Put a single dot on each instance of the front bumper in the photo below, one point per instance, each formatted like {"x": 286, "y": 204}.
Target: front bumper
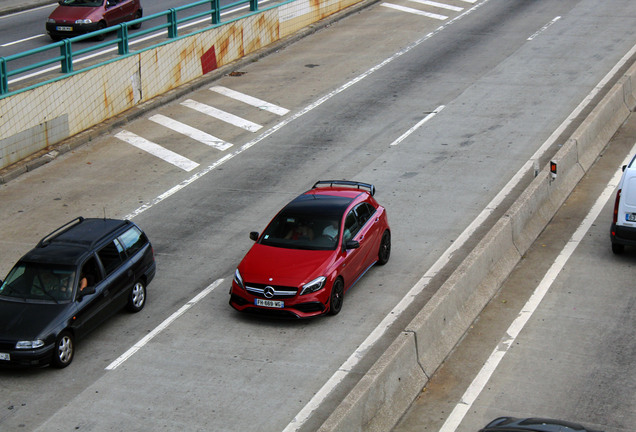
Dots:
{"x": 35, "y": 357}
{"x": 69, "y": 30}
{"x": 306, "y": 306}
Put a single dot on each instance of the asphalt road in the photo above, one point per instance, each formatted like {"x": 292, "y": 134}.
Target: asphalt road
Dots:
{"x": 501, "y": 77}
{"x": 573, "y": 359}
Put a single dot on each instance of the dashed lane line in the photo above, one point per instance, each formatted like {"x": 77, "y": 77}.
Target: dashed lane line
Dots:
{"x": 196, "y": 134}
{"x": 250, "y": 100}
{"x": 222, "y": 115}
{"x": 156, "y": 150}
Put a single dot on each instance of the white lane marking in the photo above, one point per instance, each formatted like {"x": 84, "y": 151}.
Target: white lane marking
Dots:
{"x": 439, "y": 5}
{"x": 417, "y": 126}
{"x": 415, "y": 11}
{"x": 156, "y": 150}
{"x": 544, "y": 28}
{"x": 191, "y": 132}
{"x": 136, "y": 347}
{"x": 22, "y": 40}
{"x": 479, "y": 382}
{"x": 250, "y": 100}
{"x": 27, "y": 11}
{"x": 469, "y": 1}
{"x": 222, "y": 115}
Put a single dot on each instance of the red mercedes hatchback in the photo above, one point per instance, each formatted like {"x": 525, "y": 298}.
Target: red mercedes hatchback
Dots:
{"x": 75, "y": 17}
{"x": 315, "y": 249}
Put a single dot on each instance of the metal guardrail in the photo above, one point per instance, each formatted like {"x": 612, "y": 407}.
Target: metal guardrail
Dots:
{"x": 122, "y": 40}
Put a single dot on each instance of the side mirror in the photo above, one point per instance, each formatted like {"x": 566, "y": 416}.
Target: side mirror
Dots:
{"x": 624, "y": 166}
{"x": 86, "y": 291}
{"x": 352, "y": 244}
{"x": 254, "y": 235}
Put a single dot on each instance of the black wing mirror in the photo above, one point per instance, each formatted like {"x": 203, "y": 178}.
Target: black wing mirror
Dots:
{"x": 86, "y": 291}
{"x": 352, "y": 244}
{"x": 254, "y": 235}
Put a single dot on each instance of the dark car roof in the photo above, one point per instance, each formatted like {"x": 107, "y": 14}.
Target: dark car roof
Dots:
{"x": 314, "y": 204}
{"x": 510, "y": 424}
{"x": 69, "y": 245}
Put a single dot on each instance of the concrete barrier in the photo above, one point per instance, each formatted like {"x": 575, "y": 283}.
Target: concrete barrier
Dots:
{"x": 440, "y": 325}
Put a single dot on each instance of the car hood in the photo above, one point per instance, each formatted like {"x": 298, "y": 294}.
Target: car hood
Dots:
{"x": 19, "y": 320}
{"x": 281, "y": 266}
{"x": 71, "y": 13}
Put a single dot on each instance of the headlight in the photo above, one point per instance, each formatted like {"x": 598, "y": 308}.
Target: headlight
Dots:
{"x": 29, "y": 344}
{"x": 50, "y": 21}
{"x": 313, "y": 286}
{"x": 83, "y": 21}
{"x": 238, "y": 279}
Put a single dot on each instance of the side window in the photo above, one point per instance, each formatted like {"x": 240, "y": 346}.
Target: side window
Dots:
{"x": 351, "y": 226}
{"x": 111, "y": 256}
{"x": 133, "y": 240}
{"x": 364, "y": 212}
{"x": 90, "y": 271}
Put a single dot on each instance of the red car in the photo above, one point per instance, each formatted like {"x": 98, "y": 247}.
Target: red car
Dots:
{"x": 75, "y": 17}
{"x": 313, "y": 251}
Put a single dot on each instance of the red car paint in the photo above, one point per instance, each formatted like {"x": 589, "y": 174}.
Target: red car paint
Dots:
{"x": 270, "y": 278}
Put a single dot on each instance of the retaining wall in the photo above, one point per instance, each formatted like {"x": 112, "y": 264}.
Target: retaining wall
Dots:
{"x": 35, "y": 120}
{"x": 384, "y": 394}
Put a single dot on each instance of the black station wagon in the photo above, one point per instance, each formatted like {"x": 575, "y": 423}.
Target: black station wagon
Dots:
{"x": 74, "y": 279}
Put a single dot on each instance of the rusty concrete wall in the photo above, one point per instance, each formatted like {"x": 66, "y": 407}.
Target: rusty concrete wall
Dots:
{"x": 32, "y": 122}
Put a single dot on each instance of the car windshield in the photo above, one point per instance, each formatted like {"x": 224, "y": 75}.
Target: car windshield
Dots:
{"x": 39, "y": 282}
{"x": 301, "y": 231}
{"x": 90, "y": 3}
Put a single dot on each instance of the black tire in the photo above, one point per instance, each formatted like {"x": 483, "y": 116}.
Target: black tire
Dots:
{"x": 385, "y": 248}
{"x": 101, "y": 26}
{"x": 137, "y": 297}
{"x": 336, "y": 297}
{"x": 64, "y": 350}
{"x": 138, "y": 15}
{"x": 617, "y": 248}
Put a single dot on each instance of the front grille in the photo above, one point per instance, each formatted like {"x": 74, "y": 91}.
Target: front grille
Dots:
{"x": 277, "y": 292}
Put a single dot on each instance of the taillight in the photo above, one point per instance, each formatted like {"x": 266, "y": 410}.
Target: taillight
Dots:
{"x": 618, "y": 198}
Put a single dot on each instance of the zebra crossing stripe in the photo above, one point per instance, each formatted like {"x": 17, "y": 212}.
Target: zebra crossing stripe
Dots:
{"x": 191, "y": 132}
{"x": 222, "y": 115}
{"x": 250, "y": 100}
{"x": 158, "y": 151}
{"x": 439, "y": 5}
{"x": 415, "y": 11}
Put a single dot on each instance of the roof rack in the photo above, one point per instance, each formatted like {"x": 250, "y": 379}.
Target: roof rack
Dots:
{"x": 47, "y": 238}
{"x": 355, "y": 184}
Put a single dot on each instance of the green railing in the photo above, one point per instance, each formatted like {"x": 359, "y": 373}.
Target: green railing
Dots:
{"x": 173, "y": 18}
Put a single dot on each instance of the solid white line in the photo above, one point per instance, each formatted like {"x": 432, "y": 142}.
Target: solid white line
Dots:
{"x": 222, "y": 115}
{"x": 439, "y": 5}
{"x": 415, "y": 11}
{"x": 136, "y": 347}
{"x": 191, "y": 132}
{"x": 22, "y": 40}
{"x": 544, "y": 28}
{"x": 250, "y": 100}
{"x": 156, "y": 150}
{"x": 459, "y": 412}
{"x": 417, "y": 126}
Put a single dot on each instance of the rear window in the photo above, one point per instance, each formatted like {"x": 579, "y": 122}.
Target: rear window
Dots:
{"x": 133, "y": 240}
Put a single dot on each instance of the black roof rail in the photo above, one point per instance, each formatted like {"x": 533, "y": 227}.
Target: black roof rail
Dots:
{"x": 346, "y": 183}
{"x": 47, "y": 238}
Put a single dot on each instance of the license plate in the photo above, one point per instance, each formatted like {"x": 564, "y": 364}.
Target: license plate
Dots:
{"x": 5, "y": 356}
{"x": 269, "y": 303}
{"x": 630, "y": 217}
{"x": 64, "y": 28}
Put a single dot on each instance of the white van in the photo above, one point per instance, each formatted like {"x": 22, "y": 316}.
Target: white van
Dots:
{"x": 623, "y": 230}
